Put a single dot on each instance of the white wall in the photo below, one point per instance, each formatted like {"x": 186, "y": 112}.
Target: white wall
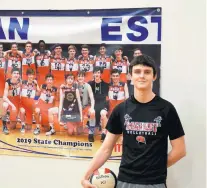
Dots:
{"x": 182, "y": 82}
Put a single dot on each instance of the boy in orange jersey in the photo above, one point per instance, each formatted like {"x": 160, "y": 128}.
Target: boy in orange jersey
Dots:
{"x": 28, "y": 60}
{"x": 46, "y": 106}
{"x": 72, "y": 63}
{"x": 104, "y": 61}
{"x": 42, "y": 61}
{"x": 86, "y": 63}
{"x": 57, "y": 66}
{"x": 11, "y": 98}
{"x": 13, "y": 58}
{"x": 29, "y": 90}
{"x": 118, "y": 92}
{"x": 2, "y": 70}
{"x": 121, "y": 64}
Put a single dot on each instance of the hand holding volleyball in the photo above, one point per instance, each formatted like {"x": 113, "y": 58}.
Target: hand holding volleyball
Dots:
{"x": 103, "y": 178}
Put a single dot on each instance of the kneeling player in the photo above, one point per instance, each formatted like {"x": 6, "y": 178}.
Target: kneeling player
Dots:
{"x": 11, "y": 98}
{"x": 118, "y": 92}
{"x": 46, "y": 106}
{"x": 70, "y": 105}
{"x": 28, "y": 93}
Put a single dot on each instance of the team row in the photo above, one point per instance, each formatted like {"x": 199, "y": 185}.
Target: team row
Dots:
{"x": 76, "y": 102}
{"x": 43, "y": 61}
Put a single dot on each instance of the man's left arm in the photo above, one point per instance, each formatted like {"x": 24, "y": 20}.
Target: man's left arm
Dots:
{"x": 178, "y": 151}
{"x": 176, "y": 136}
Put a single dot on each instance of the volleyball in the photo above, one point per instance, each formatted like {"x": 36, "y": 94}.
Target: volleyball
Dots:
{"x": 103, "y": 178}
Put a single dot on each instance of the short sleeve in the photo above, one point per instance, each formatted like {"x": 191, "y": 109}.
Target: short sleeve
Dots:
{"x": 175, "y": 129}
{"x": 114, "y": 124}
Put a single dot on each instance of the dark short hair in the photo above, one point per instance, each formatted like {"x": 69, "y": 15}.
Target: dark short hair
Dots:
{"x": 81, "y": 73}
{"x": 49, "y": 76}
{"x": 119, "y": 48}
{"x": 72, "y": 47}
{"x": 41, "y": 41}
{"x": 15, "y": 70}
{"x": 137, "y": 49}
{"x": 143, "y": 60}
{"x": 28, "y": 42}
{"x": 85, "y": 46}
{"x": 102, "y": 45}
{"x": 114, "y": 71}
{"x": 56, "y": 45}
{"x": 69, "y": 74}
{"x": 98, "y": 68}
{"x": 30, "y": 71}
{"x": 14, "y": 43}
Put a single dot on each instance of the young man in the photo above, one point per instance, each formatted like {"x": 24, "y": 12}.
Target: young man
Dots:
{"x": 121, "y": 64}
{"x": 29, "y": 90}
{"x": 146, "y": 121}
{"x": 117, "y": 93}
{"x": 57, "y": 66}
{"x": 100, "y": 91}
{"x": 86, "y": 63}
{"x": 46, "y": 106}
{"x": 42, "y": 61}
{"x": 137, "y": 52}
{"x": 70, "y": 106}
{"x": 13, "y": 58}
{"x": 11, "y": 98}
{"x": 104, "y": 61}
{"x": 28, "y": 60}
{"x": 2, "y": 71}
{"x": 88, "y": 102}
{"x": 72, "y": 63}
{"x": 42, "y": 48}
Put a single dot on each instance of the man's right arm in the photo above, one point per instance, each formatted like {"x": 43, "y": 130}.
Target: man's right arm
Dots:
{"x": 101, "y": 156}
{"x": 114, "y": 127}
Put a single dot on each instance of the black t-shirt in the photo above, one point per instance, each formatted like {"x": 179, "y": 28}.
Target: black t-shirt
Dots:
{"x": 100, "y": 91}
{"x": 145, "y": 128}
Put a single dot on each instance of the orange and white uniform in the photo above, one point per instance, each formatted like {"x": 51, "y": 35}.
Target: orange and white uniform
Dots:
{"x": 116, "y": 95}
{"x": 28, "y": 61}
{"x": 105, "y": 63}
{"x": 2, "y": 75}
{"x": 122, "y": 66}
{"x": 57, "y": 67}
{"x": 14, "y": 96}
{"x": 28, "y": 94}
{"x": 43, "y": 67}
{"x": 13, "y": 62}
{"x": 87, "y": 65}
{"x": 72, "y": 67}
{"x": 46, "y": 101}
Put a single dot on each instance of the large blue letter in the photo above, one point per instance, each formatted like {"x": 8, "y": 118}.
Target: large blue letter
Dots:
{"x": 2, "y": 35}
{"x": 14, "y": 24}
{"x": 158, "y": 21}
{"x": 137, "y": 28}
{"x": 105, "y": 29}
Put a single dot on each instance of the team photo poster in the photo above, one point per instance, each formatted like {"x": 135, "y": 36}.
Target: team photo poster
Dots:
{"x": 63, "y": 72}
